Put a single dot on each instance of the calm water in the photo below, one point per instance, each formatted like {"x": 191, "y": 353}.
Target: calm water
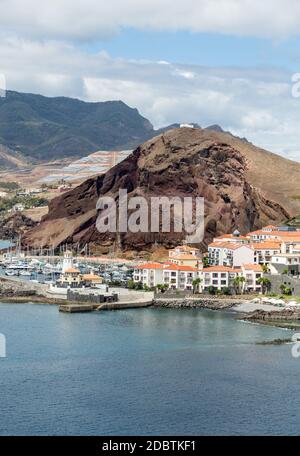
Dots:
{"x": 143, "y": 372}
{"x": 5, "y": 244}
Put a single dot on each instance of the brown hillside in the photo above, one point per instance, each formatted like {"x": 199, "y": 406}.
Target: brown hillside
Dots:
{"x": 244, "y": 187}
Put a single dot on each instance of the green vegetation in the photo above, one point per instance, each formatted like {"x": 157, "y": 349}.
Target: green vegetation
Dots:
{"x": 162, "y": 287}
{"x": 134, "y": 286}
{"x": 287, "y": 291}
{"x": 205, "y": 262}
{"x": 27, "y": 201}
{"x": 9, "y": 186}
{"x": 212, "y": 290}
{"x": 295, "y": 221}
{"x": 265, "y": 284}
{"x": 196, "y": 283}
{"x": 226, "y": 291}
{"x": 239, "y": 284}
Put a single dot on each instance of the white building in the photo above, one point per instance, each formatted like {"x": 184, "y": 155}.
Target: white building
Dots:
{"x": 264, "y": 251}
{"x": 235, "y": 237}
{"x": 150, "y": 274}
{"x": 18, "y": 207}
{"x": 219, "y": 277}
{"x": 172, "y": 275}
{"x": 179, "y": 277}
{"x": 230, "y": 254}
{"x": 185, "y": 250}
{"x": 68, "y": 262}
{"x": 285, "y": 262}
{"x": 252, "y": 273}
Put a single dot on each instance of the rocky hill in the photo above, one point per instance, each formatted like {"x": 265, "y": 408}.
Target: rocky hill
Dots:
{"x": 244, "y": 187}
{"x": 15, "y": 225}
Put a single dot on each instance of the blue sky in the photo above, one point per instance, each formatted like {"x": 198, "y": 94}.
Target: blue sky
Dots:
{"x": 229, "y": 62}
{"x": 200, "y": 48}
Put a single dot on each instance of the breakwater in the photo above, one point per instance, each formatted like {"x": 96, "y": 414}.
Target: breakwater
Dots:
{"x": 193, "y": 303}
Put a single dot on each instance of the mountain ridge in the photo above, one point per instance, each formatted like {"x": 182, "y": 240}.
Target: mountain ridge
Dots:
{"x": 44, "y": 128}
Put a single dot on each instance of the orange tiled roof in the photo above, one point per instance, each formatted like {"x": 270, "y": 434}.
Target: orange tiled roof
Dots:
{"x": 276, "y": 233}
{"x": 72, "y": 271}
{"x": 91, "y": 277}
{"x": 185, "y": 256}
{"x": 221, "y": 269}
{"x": 267, "y": 245}
{"x": 185, "y": 247}
{"x": 231, "y": 236}
{"x": 253, "y": 267}
{"x": 175, "y": 267}
{"x": 228, "y": 245}
{"x": 151, "y": 266}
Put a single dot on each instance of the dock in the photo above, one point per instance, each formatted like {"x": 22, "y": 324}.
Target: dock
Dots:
{"x": 76, "y": 308}
{"x": 80, "y": 308}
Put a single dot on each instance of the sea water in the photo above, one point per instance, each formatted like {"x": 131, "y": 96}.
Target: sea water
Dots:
{"x": 144, "y": 371}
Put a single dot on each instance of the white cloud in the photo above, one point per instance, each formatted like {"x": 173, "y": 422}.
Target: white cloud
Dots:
{"x": 255, "y": 103}
{"x": 89, "y": 19}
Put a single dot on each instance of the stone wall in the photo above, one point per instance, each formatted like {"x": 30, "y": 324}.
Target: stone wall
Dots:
{"x": 90, "y": 298}
{"x": 288, "y": 281}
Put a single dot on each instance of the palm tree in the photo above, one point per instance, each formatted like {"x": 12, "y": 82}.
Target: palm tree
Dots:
{"x": 196, "y": 283}
{"x": 238, "y": 284}
{"x": 162, "y": 287}
{"x": 265, "y": 284}
{"x": 265, "y": 268}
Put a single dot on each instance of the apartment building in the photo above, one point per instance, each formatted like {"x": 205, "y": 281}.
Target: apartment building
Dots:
{"x": 229, "y": 254}
{"x": 150, "y": 274}
{"x": 179, "y": 277}
{"x": 264, "y": 251}
{"x": 219, "y": 277}
{"x": 271, "y": 233}
{"x": 175, "y": 276}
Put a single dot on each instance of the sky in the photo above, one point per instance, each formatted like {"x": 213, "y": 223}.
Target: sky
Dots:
{"x": 226, "y": 62}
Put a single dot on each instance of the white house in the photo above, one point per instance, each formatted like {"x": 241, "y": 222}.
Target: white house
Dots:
{"x": 18, "y": 207}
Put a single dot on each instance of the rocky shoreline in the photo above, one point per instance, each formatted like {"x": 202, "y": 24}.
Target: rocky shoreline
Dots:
{"x": 196, "y": 303}
{"x": 283, "y": 318}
